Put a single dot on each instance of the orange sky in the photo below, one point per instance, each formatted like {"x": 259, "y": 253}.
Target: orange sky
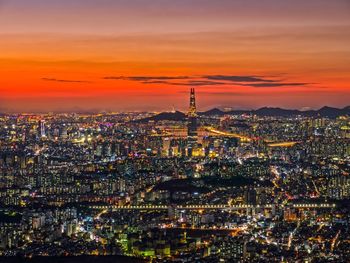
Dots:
{"x": 126, "y": 55}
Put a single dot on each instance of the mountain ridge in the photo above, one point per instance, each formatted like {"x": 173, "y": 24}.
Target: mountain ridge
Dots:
{"x": 325, "y": 111}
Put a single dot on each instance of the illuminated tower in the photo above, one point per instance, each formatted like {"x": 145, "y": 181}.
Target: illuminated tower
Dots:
{"x": 192, "y": 134}
{"x": 192, "y": 111}
{"x": 41, "y": 129}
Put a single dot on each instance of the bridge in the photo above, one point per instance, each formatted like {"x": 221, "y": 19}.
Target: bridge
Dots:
{"x": 213, "y": 207}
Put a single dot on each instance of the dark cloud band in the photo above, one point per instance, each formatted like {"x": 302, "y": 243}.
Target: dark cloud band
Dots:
{"x": 212, "y": 80}
{"x": 65, "y": 80}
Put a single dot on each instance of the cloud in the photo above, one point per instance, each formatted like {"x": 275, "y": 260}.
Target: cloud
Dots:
{"x": 212, "y": 80}
{"x": 186, "y": 83}
{"x": 204, "y": 83}
{"x": 169, "y": 80}
{"x": 238, "y": 78}
{"x": 156, "y": 82}
{"x": 254, "y": 81}
{"x": 65, "y": 80}
{"x": 148, "y": 78}
{"x": 281, "y": 84}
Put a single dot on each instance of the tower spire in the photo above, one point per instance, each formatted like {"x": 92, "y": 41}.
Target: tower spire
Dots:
{"x": 192, "y": 134}
{"x": 192, "y": 112}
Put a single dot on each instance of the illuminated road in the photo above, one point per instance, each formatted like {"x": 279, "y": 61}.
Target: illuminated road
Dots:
{"x": 282, "y": 144}
{"x": 217, "y": 132}
{"x": 229, "y": 134}
{"x": 245, "y": 138}
{"x": 208, "y": 207}
{"x": 276, "y": 174}
{"x": 334, "y": 241}
{"x": 233, "y": 231}
{"x": 98, "y": 216}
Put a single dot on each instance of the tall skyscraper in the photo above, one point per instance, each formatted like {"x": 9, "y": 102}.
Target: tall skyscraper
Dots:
{"x": 41, "y": 129}
{"x": 192, "y": 134}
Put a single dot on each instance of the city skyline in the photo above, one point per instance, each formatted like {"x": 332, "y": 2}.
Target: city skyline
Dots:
{"x": 128, "y": 56}
{"x": 174, "y": 131}
{"x": 268, "y": 186}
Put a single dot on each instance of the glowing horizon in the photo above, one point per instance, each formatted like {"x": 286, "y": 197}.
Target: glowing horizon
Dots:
{"x": 129, "y": 55}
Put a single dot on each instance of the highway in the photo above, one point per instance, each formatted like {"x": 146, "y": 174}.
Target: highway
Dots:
{"x": 229, "y": 134}
{"x": 282, "y": 144}
{"x": 247, "y": 139}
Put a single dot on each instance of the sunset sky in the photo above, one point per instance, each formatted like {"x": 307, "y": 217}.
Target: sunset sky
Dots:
{"x": 71, "y": 55}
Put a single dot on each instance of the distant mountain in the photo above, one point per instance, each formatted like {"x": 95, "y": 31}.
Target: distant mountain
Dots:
{"x": 218, "y": 112}
{"x": 276, "y": 112}
{"x": 332, "y": 112}
{"x": 326, "y": 111}
{"x": 166, "y": 116}
{"x": 279, "y": 112}
{"x": 213, "y": 112}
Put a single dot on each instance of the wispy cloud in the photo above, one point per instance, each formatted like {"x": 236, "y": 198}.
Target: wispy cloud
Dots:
{"x": 66, "y": 80}
{"x": 186, "y": 83}
{"x": 281, "y": 84}
{"x": 148, "y": 78}
{"x": 213, "y": 80}
{"x": 238, "y": 78}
